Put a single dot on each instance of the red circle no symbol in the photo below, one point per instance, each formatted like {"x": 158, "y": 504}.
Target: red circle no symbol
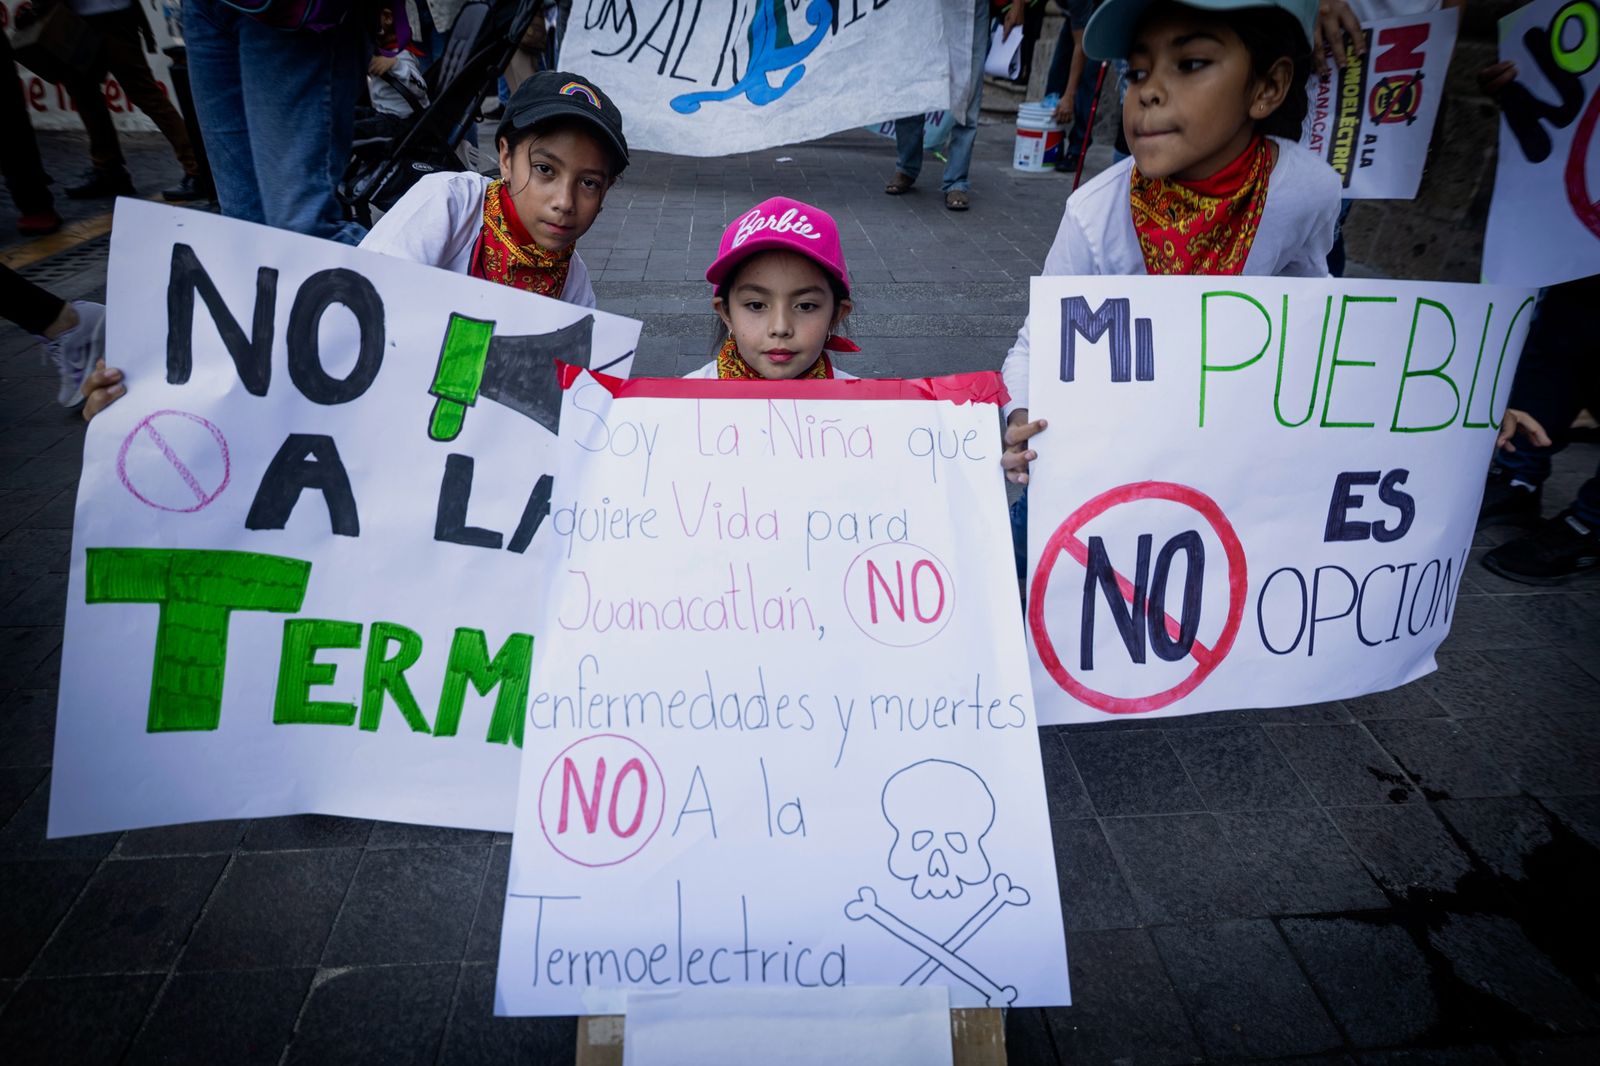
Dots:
{"x": 1065, "y": 541}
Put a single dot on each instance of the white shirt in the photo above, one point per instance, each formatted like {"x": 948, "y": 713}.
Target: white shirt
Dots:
{"x": 438, "y": 222}
{"x": 1097, "y": 236}
{"x": 1378, "y": 10}
{"x": 386, "y": 99}
{"x": 710, "y": 371}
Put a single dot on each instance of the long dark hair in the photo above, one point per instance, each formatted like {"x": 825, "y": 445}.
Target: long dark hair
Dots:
{"x": 1271, "y": 34}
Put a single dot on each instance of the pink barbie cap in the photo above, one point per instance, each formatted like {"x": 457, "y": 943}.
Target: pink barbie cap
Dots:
{"x": 783, "y": 224}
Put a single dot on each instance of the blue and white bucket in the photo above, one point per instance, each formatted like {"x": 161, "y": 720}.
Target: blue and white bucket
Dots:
{"x": 1039, "y": 138}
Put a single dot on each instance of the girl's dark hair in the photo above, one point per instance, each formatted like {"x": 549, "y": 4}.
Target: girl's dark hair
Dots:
{"x": 719, "y": 332}
{"x": 1271, "y": 34}
{"x": 515, "y": 139}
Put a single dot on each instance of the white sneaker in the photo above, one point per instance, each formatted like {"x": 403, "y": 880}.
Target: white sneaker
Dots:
{"x": 76, "y": 351}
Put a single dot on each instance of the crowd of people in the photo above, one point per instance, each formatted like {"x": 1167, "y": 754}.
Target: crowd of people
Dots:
{"x": 1212, "y": 181}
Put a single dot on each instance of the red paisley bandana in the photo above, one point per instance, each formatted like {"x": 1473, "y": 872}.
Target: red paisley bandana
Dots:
{"x": 1202, "y": 227}
{"x": 505, "y": 252}
{"x": 732, "y": 367}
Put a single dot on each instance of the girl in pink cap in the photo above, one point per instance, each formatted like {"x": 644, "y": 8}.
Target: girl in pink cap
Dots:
{"x": 782, "y": 291}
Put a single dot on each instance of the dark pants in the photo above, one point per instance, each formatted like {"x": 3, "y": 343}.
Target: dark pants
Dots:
{"x": 1559, "y": 376}
{"x": 25, "y": 303}
{"x": 19, "y": 152}
{"x": 122, "y": 55}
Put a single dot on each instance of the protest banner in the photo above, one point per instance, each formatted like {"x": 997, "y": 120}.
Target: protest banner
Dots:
{"x": 299, "y": 579}
{"x": 1544, "y": 219}
{"x": 1295, "y": 530}
{"x": 784, "y": 734}
{"x": 1372, "y": 120}
{"x": 728, "y": 77}
{"x": 50, "y": 106}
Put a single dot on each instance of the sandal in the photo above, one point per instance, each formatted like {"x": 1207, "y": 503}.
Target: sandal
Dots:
{"x": 956, "y": 200}
{"x": 900, "y": 183}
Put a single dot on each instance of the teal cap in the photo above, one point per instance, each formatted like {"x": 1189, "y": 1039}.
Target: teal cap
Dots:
{"x": 1109, "y": 33}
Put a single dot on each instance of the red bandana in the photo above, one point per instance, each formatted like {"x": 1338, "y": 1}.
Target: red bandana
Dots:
{"x": 732, "y": 367}
{"x": 506, "y": 253}
{"x": 1202, "y": 227}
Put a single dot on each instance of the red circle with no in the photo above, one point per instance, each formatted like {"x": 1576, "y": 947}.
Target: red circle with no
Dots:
{"x": 661, "y": 802}
{"x": 1066, "y": 535}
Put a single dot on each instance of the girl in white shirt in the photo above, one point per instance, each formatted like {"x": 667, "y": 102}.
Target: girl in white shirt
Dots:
{"x": 1216, "y": 183}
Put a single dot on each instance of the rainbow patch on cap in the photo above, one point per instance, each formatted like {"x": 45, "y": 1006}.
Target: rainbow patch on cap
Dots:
{"x": 578, "y": 88}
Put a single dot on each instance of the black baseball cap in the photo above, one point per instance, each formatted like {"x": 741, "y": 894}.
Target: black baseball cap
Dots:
{"x": 558, "y": 94}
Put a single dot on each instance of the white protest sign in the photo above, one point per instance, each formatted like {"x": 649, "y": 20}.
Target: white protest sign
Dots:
{"x": 1371, "y": 121}
{"x": 728, "y": 77}
{"x": 783, "y": 734}
{"x": 299, "y": 580}
{"x": 1266, "y": 490}
{"x": 1544, "y": 220}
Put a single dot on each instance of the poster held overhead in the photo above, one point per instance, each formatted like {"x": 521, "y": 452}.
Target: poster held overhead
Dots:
{"x": 1296, "y": 530}
{"x": 783, "y": 735}
{"x": 298, "y": 579}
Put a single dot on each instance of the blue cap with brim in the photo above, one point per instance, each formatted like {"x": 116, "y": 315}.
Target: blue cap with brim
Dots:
{"x": 1110, "y": 31}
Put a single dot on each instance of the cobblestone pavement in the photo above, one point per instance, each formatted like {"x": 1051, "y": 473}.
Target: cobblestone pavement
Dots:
{"x": 1404, "y": 878}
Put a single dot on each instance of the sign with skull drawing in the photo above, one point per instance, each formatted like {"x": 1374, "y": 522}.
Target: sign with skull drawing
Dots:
{"x": 781, "y": 731}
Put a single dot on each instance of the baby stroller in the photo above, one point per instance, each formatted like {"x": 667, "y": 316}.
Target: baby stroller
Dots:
{"x": 388, "y": 158}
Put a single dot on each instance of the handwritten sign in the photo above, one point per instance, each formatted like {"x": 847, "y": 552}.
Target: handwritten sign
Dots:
{"x": 736, "y": 77}
{"x": 50, "y": 105}
{"x": 1371, "y": 121}
{"x": 783, "y": 734}
{"x": 1544, "y": 220}
{"x": 299, "y": 574}
{"x": 1296, "y": 529}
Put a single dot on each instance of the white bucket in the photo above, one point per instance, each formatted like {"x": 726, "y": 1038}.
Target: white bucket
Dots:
{"x": 1039, "y": 139}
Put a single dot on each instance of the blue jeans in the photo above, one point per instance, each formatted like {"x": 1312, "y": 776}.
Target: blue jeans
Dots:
{"x": 277, "y": 110}
{"x": 908, "y": 131}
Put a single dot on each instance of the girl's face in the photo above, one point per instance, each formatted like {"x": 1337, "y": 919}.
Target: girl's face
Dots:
{"x": 779, "y": 311}
{"x": 558, "y": 182}
{"x": 1193, "y": 99}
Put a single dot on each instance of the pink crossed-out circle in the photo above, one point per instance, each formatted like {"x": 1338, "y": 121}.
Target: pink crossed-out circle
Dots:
{"x": 144, "y": 428}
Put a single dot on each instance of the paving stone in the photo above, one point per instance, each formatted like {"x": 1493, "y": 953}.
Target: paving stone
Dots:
{"x": 1546, "y": 754}
{"x": 1093, "y": 893}
{"x": 28, "y": 728}
{"x": 1180, "y": 868}
{"x": 1371, "y": 976}
{"x": 475, "y": 1035}
{"x": 272, "y": 909}
{"x": 301, "y": 831}
{"x": 1133, "y": 772}
{"x": 483, "y": 943}
{"x": 16, "y": 785}
{"x": 1512, "y": 683}
{"x": 1237, "y": 768}
{"x": 1027, "y": 1037}
{"x": 1063, "y": 787}
{"x": 1478, "y": 1055}
{"x": 1407, "y": 701}
{"x": 1441, "y": 759}
{"x": 1299, "y": 863}
{"x": 1580, "y": 814}
{"x": 192, "y": 838}
{"x": 1560, "y": 619}
{"x": 378, "y": 1015}
{"x": 237, "y": 1018}
{"x": 1578, "y": 1051}
{"x": 1405, "y": 847}
{"x": 1501, "y": 833}
{"x": 23, "y": 649}
{"x": 42, "y": 602}
{"x": 1480, "y": 623}
{"x": 409, "y": 905}
{"x": 23, "y": 836}
{"x": 85, "y": 1021}
{"x": 400, "y": 835}
{"x": 1493, "y": 955}
{"x": 33, "y": 898}
{"x": 134, "y": 916}
{"x": 1244, "y": 991}
{"x": 1341, "y": 764}
{"x": 1123, "y": 1008}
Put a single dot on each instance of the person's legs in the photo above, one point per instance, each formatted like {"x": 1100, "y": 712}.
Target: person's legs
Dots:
{"x": 124, "y": 56}
{"x": 908, "y": 133}
{"x": 211, "y": 35}
{"x": 24, "y": 173}
{"x": 959, "y": 162}
{"x": 300, "y": 92}
{"x": 105, "y": 151}
{"x": 1055, "y": 81}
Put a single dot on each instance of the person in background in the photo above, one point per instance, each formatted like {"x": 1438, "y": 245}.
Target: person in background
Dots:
{"x": 1075, "y": 81}
{"x": 26, "y": 180}
{"x": 277, "y": 109}
{"x": 73, "y": 334}
{"x": 124, "y": 33}
{"x": 395, "y": 82}
{"x": 908, "y": 131}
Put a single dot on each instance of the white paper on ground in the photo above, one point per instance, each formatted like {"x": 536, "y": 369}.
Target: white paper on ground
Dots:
{"x": 1005, "y": 53}
{"x": 869, "y": 1026}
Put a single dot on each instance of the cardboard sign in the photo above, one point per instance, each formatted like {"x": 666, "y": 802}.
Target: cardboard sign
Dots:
{"x": 783, "y": 734}
{"x": 1256, "y": 492}
{"x": 731, "y": 77}
{"x": 1544, "y": 220}
{"x": 50, "y": 106}
{"x": 1371, "y": 121}
{"x": 299, "y": 573}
